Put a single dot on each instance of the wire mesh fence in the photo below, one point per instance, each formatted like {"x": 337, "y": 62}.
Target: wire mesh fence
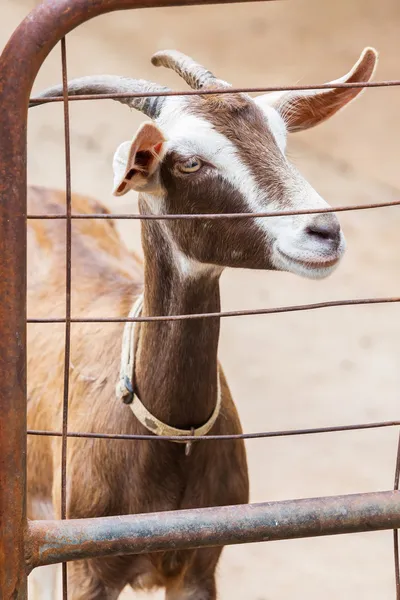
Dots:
{"x": 282, "y": 309}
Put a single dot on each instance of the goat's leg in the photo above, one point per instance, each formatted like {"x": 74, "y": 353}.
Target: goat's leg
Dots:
{"x": 198, "y": 583}
{"x": 194, "y": 590}
{"x": 97, "y": 579}
{"x": 83, "y": 584}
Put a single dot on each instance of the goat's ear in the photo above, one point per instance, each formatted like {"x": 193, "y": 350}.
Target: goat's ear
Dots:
{"x": 135, "y": 162}
{"x": 304, "y": 109}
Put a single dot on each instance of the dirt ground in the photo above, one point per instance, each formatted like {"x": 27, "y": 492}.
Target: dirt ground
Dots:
{"x": 333, "y": 366}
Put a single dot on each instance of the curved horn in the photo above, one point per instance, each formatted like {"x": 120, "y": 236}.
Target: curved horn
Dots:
{"x": 113, "y": 84}
{"x": 195, "y": 75}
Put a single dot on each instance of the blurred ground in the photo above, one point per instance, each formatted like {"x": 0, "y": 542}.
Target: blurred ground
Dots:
{"x": 333, "y": 366}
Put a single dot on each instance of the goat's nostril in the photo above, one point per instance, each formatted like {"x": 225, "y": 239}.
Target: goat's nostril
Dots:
{"x": 324, "y": 230}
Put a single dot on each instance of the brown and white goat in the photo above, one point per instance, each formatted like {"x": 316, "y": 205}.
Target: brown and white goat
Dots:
{"x": 199, "y": 154}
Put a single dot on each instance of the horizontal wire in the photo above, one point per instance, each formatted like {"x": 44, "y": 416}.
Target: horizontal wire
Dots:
{"x": 218, "y": 91}
{"x": 234, "y": 436}
{"x": 212, "y": 216}
{"x": 231, "y": 313}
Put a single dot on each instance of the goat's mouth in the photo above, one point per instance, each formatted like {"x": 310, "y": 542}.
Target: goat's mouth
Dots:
{"x": 316, "y": 268}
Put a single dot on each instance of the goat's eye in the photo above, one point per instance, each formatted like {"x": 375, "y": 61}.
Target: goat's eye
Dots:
{"x": 190, "y": 166}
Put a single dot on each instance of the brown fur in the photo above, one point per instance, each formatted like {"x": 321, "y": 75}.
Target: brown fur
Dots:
{"x": 175, "y": 376}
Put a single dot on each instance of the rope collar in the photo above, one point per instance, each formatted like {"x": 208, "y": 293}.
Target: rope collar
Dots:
{"x": 125, "y": 389}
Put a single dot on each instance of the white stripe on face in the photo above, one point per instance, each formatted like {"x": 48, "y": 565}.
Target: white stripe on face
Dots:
{"x": 190, "y": 134}
{"x": 261, "y": 175}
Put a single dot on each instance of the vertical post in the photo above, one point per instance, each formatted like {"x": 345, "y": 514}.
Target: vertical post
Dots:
{"x": 12, "y": 344}
{"x": 68, "y": 250}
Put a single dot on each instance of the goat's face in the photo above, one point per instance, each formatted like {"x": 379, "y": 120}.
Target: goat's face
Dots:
{"x": 226, "y": 154}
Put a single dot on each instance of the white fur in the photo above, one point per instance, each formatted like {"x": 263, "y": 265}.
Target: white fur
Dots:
{"x": 187, "y": 267}
{"x": 119, "y": 163}
{"x": 41, "y": 508}
{"x": 277, "y": 126}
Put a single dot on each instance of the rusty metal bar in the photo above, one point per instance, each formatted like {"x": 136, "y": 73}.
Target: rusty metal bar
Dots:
{"x": 12, "y": 339}
{"x": 50, "y": 542}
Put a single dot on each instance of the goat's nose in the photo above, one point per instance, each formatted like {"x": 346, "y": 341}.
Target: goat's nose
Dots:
{"x": 325, "y": 227}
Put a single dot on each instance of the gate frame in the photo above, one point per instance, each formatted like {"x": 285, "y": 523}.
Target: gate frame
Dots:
{"x": 24, "y": 545}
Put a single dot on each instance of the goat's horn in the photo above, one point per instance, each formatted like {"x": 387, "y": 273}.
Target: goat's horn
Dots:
{"x": 194, "y": 74}
{"x": 113, "y": 84}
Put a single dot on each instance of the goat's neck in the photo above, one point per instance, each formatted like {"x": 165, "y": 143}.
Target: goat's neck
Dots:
{"x": 176, "y": 362}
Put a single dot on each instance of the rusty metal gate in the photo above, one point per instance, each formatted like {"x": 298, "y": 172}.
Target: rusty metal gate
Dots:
{"x": 23, "y": 545}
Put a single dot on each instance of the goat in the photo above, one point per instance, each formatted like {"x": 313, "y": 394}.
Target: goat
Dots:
{"x": 200, "y": 154}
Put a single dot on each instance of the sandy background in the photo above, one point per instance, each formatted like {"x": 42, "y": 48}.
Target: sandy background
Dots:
{"x": 333, "y": 366}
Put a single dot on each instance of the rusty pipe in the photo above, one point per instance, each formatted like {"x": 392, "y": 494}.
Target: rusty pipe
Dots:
{"x": 51, "y": 542}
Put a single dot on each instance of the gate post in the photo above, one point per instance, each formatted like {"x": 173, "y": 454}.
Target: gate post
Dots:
{"x": 12, "y": 338}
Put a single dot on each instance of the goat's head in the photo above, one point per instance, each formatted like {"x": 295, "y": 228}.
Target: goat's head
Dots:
{"x": 226, "y": 154}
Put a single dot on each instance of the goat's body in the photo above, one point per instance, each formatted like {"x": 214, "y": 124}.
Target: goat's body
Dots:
{"x": 110, "y": 477}
{"x": 204, "y": 154}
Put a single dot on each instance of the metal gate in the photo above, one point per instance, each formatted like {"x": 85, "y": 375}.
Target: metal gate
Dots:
{"x": 23, "y": 545}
